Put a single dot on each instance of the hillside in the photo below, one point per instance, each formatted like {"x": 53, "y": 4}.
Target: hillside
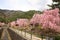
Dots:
{"x": 11, "y": 15}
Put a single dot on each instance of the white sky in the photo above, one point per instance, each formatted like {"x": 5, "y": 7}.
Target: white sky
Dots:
{"x": 25, "y": 5}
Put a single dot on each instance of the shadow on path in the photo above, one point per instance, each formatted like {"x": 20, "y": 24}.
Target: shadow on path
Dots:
{"x": 15, "y": 36}
{"x": 5, "y": 35}
{"x": 1, "y": 30}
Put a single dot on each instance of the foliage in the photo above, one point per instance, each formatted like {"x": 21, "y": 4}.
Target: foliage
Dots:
{"x": 49, "y": 19}
{"x": 2, "y": 19}
{"x": 56, "y": 5}
{"x": 57, "y": 38}
{"x": 11, "y": 15}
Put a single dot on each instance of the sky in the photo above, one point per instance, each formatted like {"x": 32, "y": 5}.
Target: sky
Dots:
{"x": 25, "y": 5}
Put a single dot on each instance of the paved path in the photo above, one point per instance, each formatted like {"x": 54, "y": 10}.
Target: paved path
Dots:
{"x": 1, "y": 30}
{"x": 15, "y": 36}
{"x": 8, "y": 34}
{"x": 27, "y": 36}
{"x": 5, "y": 35}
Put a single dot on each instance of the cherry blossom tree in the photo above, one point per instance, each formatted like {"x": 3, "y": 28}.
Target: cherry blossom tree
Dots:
{"x": 50, "y": 21}
{"x": 22, "y": 22}
{"x": 2, "y": 24}
{"x": 13, "y": 24}
{"x": 35, "y": 19}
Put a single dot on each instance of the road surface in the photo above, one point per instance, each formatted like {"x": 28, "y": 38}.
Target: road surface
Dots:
{"x": 8, "y": 34}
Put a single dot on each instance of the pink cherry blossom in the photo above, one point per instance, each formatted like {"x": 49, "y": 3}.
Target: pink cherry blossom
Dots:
{"x": 2, "y": 24}
{"x": 22, "y": 22}
{"x": 35, "y": 19}
{"x": 12, "y": 23}
{"x": 48, "y": 19}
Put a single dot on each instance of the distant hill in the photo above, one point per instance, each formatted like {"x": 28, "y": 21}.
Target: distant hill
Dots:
{"x": 11, "y": 15}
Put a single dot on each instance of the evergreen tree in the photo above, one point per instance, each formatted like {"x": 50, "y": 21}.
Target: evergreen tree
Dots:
{"x": 55, "y": 4}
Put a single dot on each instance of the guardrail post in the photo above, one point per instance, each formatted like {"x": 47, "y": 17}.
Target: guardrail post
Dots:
{"x": 25, "y": 32}
{"x": 31, "y": 35}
